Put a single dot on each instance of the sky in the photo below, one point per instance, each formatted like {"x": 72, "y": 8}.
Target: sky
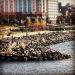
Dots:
{"x": 67, "y": 1}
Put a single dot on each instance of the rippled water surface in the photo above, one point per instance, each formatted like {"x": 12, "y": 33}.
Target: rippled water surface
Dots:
{"x": 44, "y": 67}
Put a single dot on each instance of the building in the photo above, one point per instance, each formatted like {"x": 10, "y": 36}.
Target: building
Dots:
{"x": 52, "y": 9}
{"x": 23, "y": 6}
{"x": 26, "y": 6}
{"x": 44, "y": 8}
{"x": 7, "y": 7}
{"x": 35, "y": 7}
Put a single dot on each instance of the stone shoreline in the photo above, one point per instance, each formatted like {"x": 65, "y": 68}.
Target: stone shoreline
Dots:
{"x": 48, "y": 55}
{"x": 35, "y": 47}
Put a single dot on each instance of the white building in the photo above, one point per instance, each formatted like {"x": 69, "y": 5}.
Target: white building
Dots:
{"x": 52, "y": 9}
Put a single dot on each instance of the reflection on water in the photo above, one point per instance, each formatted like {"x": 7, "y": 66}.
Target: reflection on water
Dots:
{"x": 43, "y": 67}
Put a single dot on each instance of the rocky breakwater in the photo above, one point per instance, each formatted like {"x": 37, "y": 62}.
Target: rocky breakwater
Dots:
{"x": 39, "y": 53}
{"x": 33, "y": 47}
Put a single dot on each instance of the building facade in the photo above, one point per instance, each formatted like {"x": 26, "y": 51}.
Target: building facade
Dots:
{"x": 29, "y": 6}
{"x": 23, "y": 6}
{"x": 43, "y": 7}
{"x": 7, "y": 7}
{"x": 36, "y": 7}
{"x": 52, "y": 9}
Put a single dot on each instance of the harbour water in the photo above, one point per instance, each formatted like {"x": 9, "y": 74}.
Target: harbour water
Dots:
{"x": 43, "y": 67}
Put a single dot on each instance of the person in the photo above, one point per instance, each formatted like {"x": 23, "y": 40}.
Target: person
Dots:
{"x": 22, "y": 22}
{"x": 57, "y": 20}
{"x": 61, "y": 19}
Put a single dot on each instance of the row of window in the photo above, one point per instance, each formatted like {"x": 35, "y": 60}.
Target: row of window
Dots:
{"x": 24, "y": 5}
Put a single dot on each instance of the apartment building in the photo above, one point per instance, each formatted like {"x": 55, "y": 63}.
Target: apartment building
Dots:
{"x": 7, "y": 7}
{"x": 24, "y": 6}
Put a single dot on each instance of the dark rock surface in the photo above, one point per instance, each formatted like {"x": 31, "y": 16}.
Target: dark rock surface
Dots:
{"x": 34, "y": 47}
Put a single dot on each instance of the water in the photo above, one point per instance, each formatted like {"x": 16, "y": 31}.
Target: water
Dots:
{"x": 44, "y": 67}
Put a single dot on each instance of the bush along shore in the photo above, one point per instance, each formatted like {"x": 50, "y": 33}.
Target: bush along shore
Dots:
{"x": 34, "y": 47}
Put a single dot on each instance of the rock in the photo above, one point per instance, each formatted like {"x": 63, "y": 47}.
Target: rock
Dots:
{"x": 25, "y": 58}
{"x": 35, "y": 47}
